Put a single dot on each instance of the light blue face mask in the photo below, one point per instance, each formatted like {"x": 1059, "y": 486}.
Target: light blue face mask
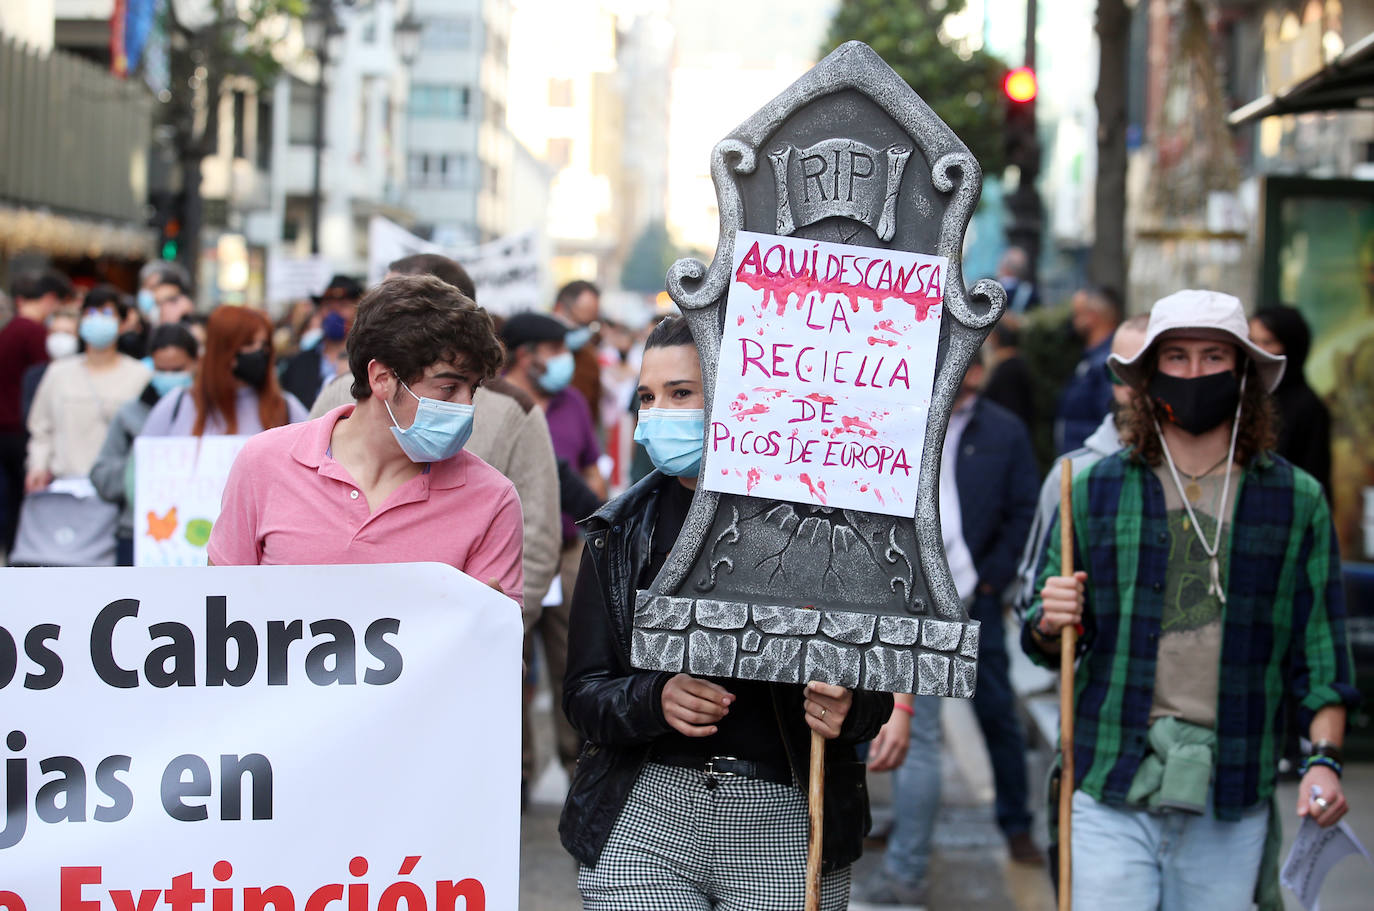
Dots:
{"x": 578, "y": 337}
{"x": 99, "y": 330}
{"x": 558, "y": 373}
{"x": 165, "y": 381}
{"x": 674, "y": 438}
{"x": 146, "y": 302}
{"x": 439, "y": 431}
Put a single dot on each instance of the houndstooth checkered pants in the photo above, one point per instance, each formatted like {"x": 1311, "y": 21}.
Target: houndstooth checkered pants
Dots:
{"x": 680, "y": 845}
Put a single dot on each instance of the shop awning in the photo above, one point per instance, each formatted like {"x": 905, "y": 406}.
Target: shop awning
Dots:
{"x": 1346, "y": 83}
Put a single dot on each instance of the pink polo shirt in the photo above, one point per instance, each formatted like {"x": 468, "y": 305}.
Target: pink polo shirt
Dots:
{"x": 288, "y": 502}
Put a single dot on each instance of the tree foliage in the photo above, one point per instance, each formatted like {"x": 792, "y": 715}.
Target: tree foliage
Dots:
{"x": 963, "y": 87}
{"x": 646, "y": 268}
{"x": 213, "y": 45}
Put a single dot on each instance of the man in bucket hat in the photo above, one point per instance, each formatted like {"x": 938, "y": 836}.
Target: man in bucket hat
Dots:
{"x": 1208, "y": 597}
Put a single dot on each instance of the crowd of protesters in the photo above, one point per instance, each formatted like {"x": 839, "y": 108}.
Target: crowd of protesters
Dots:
{"x": 503, "y": 448}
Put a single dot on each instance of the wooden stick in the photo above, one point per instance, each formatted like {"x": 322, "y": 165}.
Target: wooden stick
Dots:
{"x": 816, "y": 802}
{"x": 1068, "y": 646}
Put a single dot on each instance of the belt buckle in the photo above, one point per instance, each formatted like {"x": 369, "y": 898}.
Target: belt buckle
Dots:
{"x": 717, "y": 774}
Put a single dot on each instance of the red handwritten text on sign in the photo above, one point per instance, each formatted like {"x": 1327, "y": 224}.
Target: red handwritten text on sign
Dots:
{"x": 825, "y": 373}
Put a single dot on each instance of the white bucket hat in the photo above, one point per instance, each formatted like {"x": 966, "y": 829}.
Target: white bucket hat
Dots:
{"x": 1199, "y": 314}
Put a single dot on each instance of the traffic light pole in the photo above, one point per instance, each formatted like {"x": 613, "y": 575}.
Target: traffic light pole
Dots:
{"x": 1027, "y": 213}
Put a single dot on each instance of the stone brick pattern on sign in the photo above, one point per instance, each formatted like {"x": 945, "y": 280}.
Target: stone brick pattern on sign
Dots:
{"x": 703, "y": 637}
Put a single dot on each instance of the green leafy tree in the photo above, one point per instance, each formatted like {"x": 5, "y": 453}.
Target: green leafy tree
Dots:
{"x": 962, "y": 86}
{"x": 653, "y": 253}
{"x": 213, "y": 44}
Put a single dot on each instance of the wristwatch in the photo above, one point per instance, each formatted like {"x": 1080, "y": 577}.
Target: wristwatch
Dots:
{"x": 1328, "y": 749}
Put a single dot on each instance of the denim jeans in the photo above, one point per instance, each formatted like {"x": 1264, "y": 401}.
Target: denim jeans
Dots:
{"x": 915, "y": 796}
{"x": 994, "y": 702}
{"x": 1125, "y": 859}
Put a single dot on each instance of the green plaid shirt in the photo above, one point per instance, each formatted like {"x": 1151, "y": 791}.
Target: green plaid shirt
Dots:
{"x": 1283, "y": 625}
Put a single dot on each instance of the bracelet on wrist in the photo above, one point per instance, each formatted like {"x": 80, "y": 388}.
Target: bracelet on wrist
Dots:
{"x": 905, "y": 708}
{"x": 1318, "y": 759}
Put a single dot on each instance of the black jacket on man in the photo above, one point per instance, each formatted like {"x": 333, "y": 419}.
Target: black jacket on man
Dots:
{"x": 618, "y": 709}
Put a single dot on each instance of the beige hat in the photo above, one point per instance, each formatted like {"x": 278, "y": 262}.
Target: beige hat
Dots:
{"x": 1199, "y": 314}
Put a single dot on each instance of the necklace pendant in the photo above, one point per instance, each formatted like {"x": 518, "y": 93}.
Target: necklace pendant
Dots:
{"x": 1193, "y": 491}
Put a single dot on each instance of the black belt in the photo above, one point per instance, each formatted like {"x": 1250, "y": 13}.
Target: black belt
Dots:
{"x": 720, "y": 767}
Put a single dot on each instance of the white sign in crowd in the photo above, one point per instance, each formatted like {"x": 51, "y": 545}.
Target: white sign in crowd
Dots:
{"x": 826, "y": 370}
{"x": 178, "y": 483}
{"x": 259, "y": 737}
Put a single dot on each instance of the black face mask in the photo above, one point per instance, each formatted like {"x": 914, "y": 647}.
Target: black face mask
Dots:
{"x": 251, "y": 367}
{"x": 1198, "y": 404}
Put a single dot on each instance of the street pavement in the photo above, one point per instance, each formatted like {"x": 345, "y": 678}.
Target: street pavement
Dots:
{"x": 970, "y": 867}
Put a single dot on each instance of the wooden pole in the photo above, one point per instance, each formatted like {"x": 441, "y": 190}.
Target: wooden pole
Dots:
{"x": 816, "y": 804}
{"x": 1068, "y": 646}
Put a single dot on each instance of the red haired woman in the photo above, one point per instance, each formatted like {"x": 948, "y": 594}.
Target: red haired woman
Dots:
{"x": 235, "y": 390}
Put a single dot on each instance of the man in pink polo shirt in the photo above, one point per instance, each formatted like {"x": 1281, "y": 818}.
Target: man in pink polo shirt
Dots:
{"x": 385, "y": 480}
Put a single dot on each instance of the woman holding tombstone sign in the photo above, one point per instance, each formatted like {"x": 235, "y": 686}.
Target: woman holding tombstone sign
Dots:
{"x": 689, "y": 793}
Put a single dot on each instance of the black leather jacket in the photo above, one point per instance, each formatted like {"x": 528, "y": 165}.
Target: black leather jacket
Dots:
{"x": 618, "y": 709}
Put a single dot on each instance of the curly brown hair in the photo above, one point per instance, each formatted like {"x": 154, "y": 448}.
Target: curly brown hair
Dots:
{"x": 1136, "y": 422}
{"x": 410, "y": 322}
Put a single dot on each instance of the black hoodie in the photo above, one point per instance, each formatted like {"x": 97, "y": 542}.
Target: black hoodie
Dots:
{"x": 1304, "y": 421}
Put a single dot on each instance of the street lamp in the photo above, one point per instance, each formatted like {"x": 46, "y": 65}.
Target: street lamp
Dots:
{"x": 319, "y": 27}
{"x": 406, "y": 35}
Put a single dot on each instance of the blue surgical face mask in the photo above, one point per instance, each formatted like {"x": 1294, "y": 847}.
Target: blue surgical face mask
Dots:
{"x": 673, "y": 438}
{"x": 165, "y": 381}
{"x": 334, "y": 326}
{"x": 558, "y": 373}
{"x": 146, "y": 302}
{"x": 578, "y": 337}
{"x": 99, "y": 330}
{"x": 438, "y": 432}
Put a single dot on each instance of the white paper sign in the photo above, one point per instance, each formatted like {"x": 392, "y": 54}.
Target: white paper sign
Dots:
{"x": 178, "y": 484}
{"x": 294, "y": 278}
{"x": 388, "y": 242}
{"x": 1315, "y": 851}
{"x": 299, "y": 733}
{"x": 826, "y": 370}
{"x": 506, "y": 273}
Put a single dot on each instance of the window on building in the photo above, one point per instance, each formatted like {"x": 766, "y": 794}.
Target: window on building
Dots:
{"x": 264, "y": 132}
{"x": 447, "y": 34}
{"x": 240, "y": 124}
{"x": 559, "y": 153}
{"x": 560, "y": 93}
{"x": 450, "y": 102}
{"x": 302, "y": 120}
{"x": 418, "y": 169}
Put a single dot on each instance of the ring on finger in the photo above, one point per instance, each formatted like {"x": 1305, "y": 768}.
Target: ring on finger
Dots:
{"x": 822, "y": 715}
{"x": 1321, "y": 802}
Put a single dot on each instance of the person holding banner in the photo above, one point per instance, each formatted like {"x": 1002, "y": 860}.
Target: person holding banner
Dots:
{"x": 690, "y": 792}
{"x": 235, "y": 390}
{"x": 174, "y": 352}
{"x": 1209, "y": 599}
{"x": 385, "y": 480}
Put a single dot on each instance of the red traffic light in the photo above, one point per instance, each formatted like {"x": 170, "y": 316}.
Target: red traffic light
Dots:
{"x": 1020, "y": 84}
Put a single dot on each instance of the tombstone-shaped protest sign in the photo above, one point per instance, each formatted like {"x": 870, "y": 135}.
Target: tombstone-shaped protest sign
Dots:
{"x": 833, "y": 328}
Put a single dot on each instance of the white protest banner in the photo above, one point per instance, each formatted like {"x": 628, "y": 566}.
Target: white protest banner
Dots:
{"x": 294, "y": 278}
{"x": 826, "y": 370}
{"x": 506, "y": 273}
{"x": 303, "y": 738}
{"x": 388, "y": 242}
{"x": 178, "y": 484}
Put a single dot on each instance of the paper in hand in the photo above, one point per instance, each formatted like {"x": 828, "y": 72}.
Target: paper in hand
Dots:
{"x": 1315, "y": 851}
